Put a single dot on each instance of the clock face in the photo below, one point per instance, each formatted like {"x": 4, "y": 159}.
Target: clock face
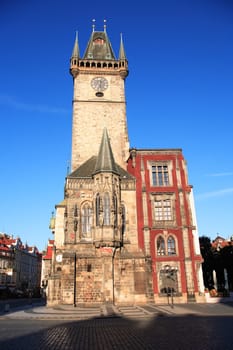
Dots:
{"x": 99, "y": 84}
{"x": 59, "y": 258}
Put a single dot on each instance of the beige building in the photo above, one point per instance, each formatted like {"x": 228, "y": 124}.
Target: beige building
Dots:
{"x": 20, "y": 265}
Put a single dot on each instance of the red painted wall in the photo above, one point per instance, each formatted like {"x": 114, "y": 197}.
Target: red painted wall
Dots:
{"x": 135, "y": 166}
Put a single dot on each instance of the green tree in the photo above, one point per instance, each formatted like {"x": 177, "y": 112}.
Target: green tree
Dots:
{"x": 227, "y": 256}
{"x": 208, "y": 262}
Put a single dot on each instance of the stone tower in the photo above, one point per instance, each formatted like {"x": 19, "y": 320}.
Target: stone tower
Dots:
{"x": 99, "y": 99}
{"x": 96, "y": 255}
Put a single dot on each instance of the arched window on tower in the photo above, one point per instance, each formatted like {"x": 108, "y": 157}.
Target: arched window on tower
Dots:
{"x": 160, "y": 246}
{"x": 106, "y": 209}
{"x": 97, "y": 209}
{"x": 86, "y": 220}
{"x": 171, "y": 246}
{"x": 123, "y": 220}
{"x": 115, "y": 211}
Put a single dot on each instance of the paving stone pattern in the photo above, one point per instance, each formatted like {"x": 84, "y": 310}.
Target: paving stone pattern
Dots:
{"x": 111, "y": 327}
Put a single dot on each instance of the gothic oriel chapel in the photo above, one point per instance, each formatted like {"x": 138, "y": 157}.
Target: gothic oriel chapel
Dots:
{"x": 125, "y": 231}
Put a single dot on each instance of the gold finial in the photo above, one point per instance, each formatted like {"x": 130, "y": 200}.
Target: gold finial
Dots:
{"x": 93, "y": 25}
{"x": 105, "y": 21}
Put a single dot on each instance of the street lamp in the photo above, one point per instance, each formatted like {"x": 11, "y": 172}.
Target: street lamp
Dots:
{"x": 75, "y": 261}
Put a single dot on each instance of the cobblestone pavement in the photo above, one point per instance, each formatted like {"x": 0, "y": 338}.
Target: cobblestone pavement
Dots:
{"x": 197, "y": 326}
{"x": 109, "y": 333}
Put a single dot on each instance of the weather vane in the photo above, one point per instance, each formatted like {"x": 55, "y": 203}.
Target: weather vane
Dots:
{"x": 93, "y": 25}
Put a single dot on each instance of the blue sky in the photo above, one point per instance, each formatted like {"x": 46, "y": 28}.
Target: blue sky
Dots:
{"x": 179, "y": 95}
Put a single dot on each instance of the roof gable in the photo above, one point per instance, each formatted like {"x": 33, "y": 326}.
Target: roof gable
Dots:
{"x": 99, "y": 47}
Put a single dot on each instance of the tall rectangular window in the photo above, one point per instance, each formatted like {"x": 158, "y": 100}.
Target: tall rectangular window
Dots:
{"x": 163, "y": 210}
{"x": 160, "y": 176}
{"x": 86, "y": 220}
{"x": 107, "y": 209}
{"x": 97, "y": 209}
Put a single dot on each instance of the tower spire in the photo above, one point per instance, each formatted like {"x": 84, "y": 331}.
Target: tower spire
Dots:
{"x": 105, "y": 160}
{"x": 122, "y": 55}
{"x": 75, "y": 53}
{"x": 74, "y": 58}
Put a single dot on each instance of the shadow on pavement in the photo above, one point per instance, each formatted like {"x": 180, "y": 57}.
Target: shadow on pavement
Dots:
{"x": 107, "y": 333}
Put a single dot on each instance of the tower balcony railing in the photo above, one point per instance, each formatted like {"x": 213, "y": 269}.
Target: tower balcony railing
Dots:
{"x": 98, "y": 64}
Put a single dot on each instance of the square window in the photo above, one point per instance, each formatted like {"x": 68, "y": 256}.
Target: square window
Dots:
{"x": 162, "y": 210}
{"x": 160, "y": 175}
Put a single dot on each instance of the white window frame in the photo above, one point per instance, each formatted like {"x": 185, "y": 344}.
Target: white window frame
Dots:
{"x": 162, "y": 175}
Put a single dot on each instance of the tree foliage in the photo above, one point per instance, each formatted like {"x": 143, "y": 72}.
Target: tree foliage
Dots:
{"x": 220, "y": 261}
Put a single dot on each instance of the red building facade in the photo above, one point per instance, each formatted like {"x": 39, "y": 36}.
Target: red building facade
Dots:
{"x": 166, "y": 221}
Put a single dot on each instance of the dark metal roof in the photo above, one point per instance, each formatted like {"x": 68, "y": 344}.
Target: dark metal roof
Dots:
{"x": 87, "y": 169}
{"x": 105, "y": 161}
{"x": 122, "y": 55}
{"x": 99, "y": 47}
{"x": 75, "y": 52}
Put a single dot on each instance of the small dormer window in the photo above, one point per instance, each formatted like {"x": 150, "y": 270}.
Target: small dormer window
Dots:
{"x": 99, "y": 41}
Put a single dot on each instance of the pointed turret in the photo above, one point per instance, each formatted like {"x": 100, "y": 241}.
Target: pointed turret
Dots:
{"x": 123, "y": 63}
{"x": 105, "y": 161}
{"x": 122, "y": 55}
{"x": 74, "y": 58}
{"x": 75, "y": 53}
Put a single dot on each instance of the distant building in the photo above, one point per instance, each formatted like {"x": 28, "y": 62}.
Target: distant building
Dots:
{"x": 20, "y": 265}
{"x": 220, "y": 242}
{"x": 47, "y": 264}
{"x": 126, "y": 229}
{"x": 7, "y": 257}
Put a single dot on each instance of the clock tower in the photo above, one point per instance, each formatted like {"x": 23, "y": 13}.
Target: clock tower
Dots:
{"x": 99, "y": 99}
{"x": 125, "y": 231}
{"x": 96, "y": 254}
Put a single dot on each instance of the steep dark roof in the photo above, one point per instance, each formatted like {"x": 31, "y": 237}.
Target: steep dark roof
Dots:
{"x": 75, "y": 52}
{"x": 87, "y": 169}
{"x": 122, "y": 55}
{"x": 105, "y": 161}
{"x": 99, "y": 47}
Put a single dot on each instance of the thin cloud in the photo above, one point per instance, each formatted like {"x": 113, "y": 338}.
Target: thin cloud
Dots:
{"x": 220, "y": 174}
{"x": 7, "y": 100}
{"x": 212, "y": 194}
